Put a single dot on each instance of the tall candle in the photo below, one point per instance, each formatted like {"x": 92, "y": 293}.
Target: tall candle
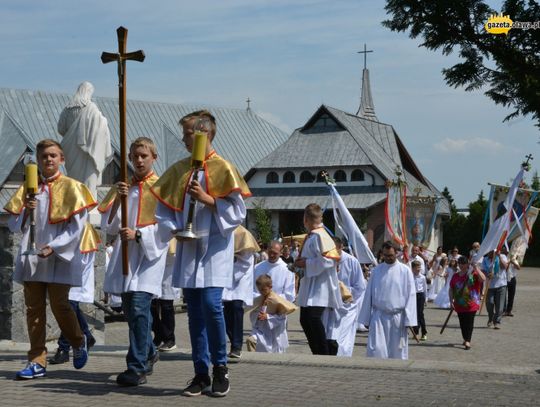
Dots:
{"x": 31, "y": 178}
{"x": 199, "y": 148}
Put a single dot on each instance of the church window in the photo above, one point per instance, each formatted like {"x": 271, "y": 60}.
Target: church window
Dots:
{"x": 272, "y": 178}
{"x": 357, "y": 175}
{"x": 306, "y": 177}
{"x": 340, "y": 176}
{"x": 289, "y": 178}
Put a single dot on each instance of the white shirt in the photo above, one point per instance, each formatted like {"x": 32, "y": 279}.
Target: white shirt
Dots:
{"x": 62, "y": 237}
{"x": 320, "y": 286}
{"x": 146, "y": 258}
{"x": 242, "y": 288}
{"x": 420, "y": 283}
{"x": 207, "y": 261}
{"x": 282, "y": 278}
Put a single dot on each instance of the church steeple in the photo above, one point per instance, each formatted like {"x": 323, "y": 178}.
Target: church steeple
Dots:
{"x": 367, "y": 108}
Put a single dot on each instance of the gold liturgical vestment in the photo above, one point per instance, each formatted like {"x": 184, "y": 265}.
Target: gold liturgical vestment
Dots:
{"x": 221, "y": 177}
{"x": 67, "y": 198}
{"x": 147, "y": 201}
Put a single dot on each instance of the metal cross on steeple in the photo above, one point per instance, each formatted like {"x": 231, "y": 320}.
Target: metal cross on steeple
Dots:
{"x": 365, "y": 52}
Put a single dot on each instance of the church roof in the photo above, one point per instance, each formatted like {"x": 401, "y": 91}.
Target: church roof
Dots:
{"x": 27, "y": 116}
{"x": 276, "y": 198}
{"x": 334, "y": 138}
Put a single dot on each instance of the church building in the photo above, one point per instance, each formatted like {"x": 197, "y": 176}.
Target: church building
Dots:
{"x": 359, "y": 152}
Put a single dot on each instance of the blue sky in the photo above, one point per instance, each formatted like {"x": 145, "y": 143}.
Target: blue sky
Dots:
{"x": 288, "y": 57}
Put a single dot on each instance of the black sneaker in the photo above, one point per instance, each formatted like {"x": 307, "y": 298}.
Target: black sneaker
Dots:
{"x": 61, "y": 356}
{"x": 130, "y": 378}
{"x": 167, "y": 346}
{"x": 150, "y": 362}
{"x": 199, "y": 384}
{"x": 90, "y": 342}
{"x": 220, "y": 382}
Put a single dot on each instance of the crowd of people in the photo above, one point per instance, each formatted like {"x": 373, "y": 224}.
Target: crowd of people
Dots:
{"x": 224, "y": 272}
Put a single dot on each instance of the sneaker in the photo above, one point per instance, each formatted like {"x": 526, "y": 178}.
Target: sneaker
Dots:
{"x": 220, "y": 382}
{"x": 423, "y": 338}
{"x": 150, "y": 362}
{"x": 167, "y": 346}
{"x": 130, "y": 378}
{"x": 496, "y": 326}
{"x": 80, "y": 356}
{"x": 31, "y": 371}
{"x": 61, "y": 356}
{"x": 235, "y": 354}
{"x": 199, "y": 384}
{"x": 90, "y": 342}
{"x": 489, "y": 324}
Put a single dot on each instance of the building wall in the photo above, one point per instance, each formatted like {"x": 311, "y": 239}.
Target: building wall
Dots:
{"x": 258, "y": 180}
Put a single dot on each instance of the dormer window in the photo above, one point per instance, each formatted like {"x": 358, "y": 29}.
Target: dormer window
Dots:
{"x": 340, "y": 176}
{"x": 306, "y": 177}
{"x": 289, "y": 178}
{"x": 357, "y": 175}
{"x": 272, "y": 178}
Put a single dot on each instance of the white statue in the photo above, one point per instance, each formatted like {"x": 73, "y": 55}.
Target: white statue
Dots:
{"x": 86, "y": 138}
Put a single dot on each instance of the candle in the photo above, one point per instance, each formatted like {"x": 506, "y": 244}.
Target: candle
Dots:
{"x": 31, "y": 178}
{"x": 199, "y": 149}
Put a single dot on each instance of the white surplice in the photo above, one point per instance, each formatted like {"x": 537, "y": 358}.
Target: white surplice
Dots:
{"x": 146, "y": 258}
{"x": 282, "y": 278}
{"x": 208, "y": 260}
{"x": 84, "y": 293}
{"x": 242, "y": 288}
{"x": 63, "y": 238}
{"x": 168, "y": 292}
{"x": 344, "y": 319}
{"x": 271, "y": 334}
{"x": 388, "y": 308}
{"x": 320, "y": 286}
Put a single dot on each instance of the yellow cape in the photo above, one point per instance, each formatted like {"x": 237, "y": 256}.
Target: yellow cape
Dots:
{"x": 222, "y": 178}
{"x": 328, "y": 247}
{"x": 147, "y": 201}
{"x": 244, "y": 241}
{"x": 90, "y": 239}
{"x": 67, "y": 198}
{"x": 275, "y": 304}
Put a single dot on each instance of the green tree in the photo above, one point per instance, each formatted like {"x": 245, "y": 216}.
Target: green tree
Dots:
{"x": 474, "y": 222}
{"x": 506, "y": 66}
{"x": 453, "y": 227}
{"x": 263, "y": 222}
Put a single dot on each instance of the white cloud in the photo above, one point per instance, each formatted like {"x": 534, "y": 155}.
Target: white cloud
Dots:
{"x": 474, "y": 145}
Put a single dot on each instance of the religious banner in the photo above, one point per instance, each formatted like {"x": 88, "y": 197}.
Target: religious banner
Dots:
{"x": 519, "y": 236}
{"x": 498, "y": 231}
{"x": 421, "y": 216}
{"x": 396, "y": 211}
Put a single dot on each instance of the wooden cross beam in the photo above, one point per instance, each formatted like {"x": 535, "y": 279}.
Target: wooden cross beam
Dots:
{"x": 121, "y": 57}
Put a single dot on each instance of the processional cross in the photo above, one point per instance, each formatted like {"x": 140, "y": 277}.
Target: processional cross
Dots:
{"x": 121, "y": 57}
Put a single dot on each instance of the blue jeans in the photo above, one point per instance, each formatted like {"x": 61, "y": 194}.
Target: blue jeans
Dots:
{"x": 63, "y": 343}
{"x": 206, "y": 327}
{"x": 234, "y": 322}
{"x": 495, "y": 304}
{"x": 136, "y": 307}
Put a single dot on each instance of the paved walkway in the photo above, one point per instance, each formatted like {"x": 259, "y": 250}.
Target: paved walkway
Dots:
{"x": 502, "y": 368}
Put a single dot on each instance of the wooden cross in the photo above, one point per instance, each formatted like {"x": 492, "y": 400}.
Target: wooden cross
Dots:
{"x": 365, "y": 52}
{"x": 121, "y": 57}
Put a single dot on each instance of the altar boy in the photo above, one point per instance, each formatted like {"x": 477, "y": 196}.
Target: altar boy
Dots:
{"x": 147, "y": 250}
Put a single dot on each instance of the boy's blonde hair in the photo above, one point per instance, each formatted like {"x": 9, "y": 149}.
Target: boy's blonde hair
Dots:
{"x": 313, "y": 212}
{"x": 45, "y": 143}
{"x": 144, "y": 142}
{"x": 263, "y": 281}
{"x": 201, "y": 114}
